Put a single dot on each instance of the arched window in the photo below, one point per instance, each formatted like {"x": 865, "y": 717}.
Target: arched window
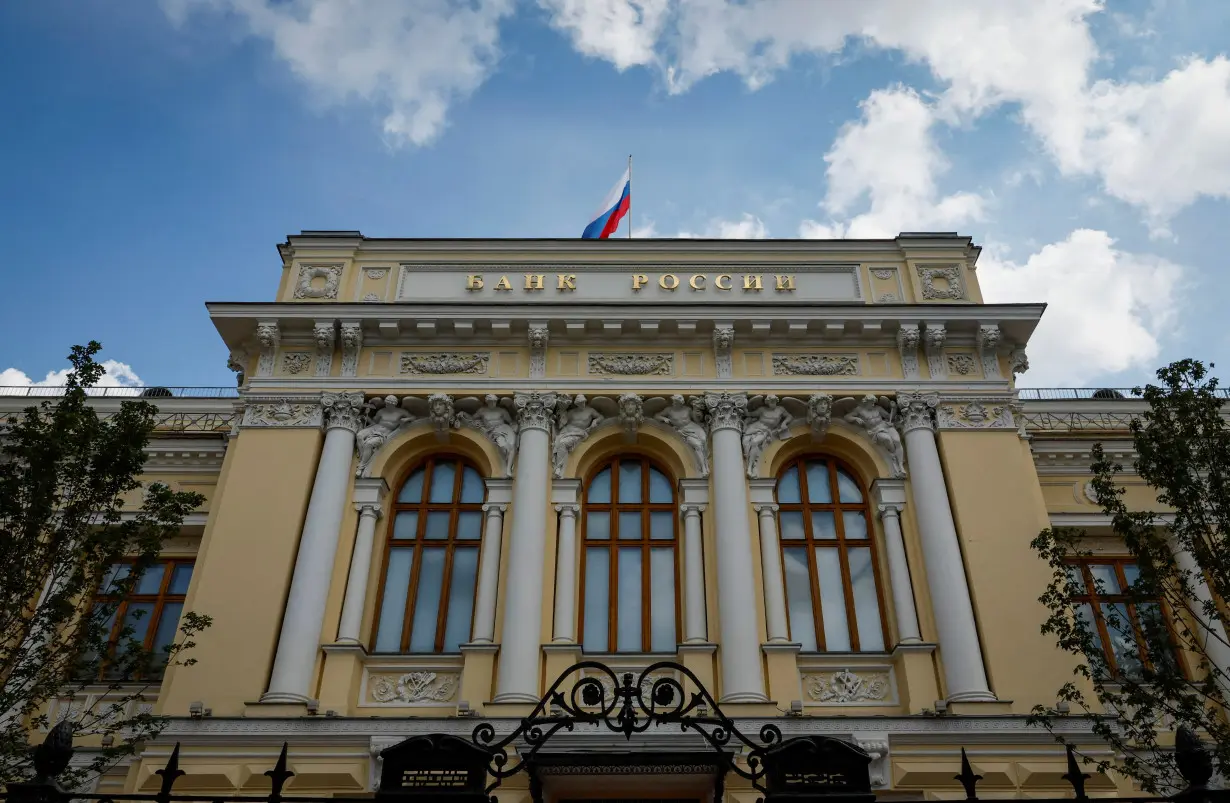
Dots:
{"x": 832, "y": 586}
{"x": 628, "y": 572}
{"x": 426, "y": 602}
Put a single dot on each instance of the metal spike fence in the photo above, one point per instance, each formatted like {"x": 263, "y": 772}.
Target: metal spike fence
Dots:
{"x": 626, "y": 705}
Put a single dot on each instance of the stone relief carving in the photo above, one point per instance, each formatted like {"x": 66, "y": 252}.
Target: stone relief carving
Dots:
{"x": 723, "y": 343}
{"x": 343, "y": 410}
{"x": 974, "y": 414}
{"x": 767, "y": 420}
{"x": 631, "y": 412}
{"x": 574, "y": 422}
{"x": 370, "y": 297}
{"x": 631, "y": 364}
{"x": 844, "y": 687}
{"x": 961, "y": 363}
{"x": 440, "y": 411}
{"x": 377, "y": 273}
{"x": 882, "y": 273}
{"x": 332, "y": 275}
{"x": 384, "y": 418}
{"x": 268, "y": 336}
{"x": 949, "y": 288}
{"x": 295, "y": 362}
{"x": 917, "y": 410}
{"x": 1017, "y": 361}
{"x": 535, "y": 410}
{"x": 282, "y": 413}
{"x": 819, "y": 414}
{"x": 815, "y": 365}
{"x": 933, "y": 344}
{"x": 1090, "y": 494}
{"x": 876, "y": 417}
{"x": 987, "y": 340}
{"x": 323, "y": 334}
{"x": 725, "y": 410}
{"x": 876, "y": 746}
{"x": 907, "y": 344}
{"x": 493, "y": 418}
{"x": 413, "y": 687}
{"x": 887, "y": 298}
{"x": 688, "y": 421}
{"x": 237, "y": 361}
{"x": 538, "y": 351}
{"x": 451, "y": 363}
{"x": 352, "y": 343}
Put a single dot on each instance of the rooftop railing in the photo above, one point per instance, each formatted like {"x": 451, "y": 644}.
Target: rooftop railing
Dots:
{"x": 127, "y": 392}
{"x": 1098, "y": 394}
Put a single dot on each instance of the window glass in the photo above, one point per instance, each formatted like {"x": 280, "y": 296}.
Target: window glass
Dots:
{"x": 855, "y": 525}
{"x": 442, "y": 482}
{"x": 662, "y": 599}
{"x": 847, "y": 488}
{"x": 412, "y": 491}
{"x": 823, "y": 527}
{"x": 629, "y": 482}
{"x": 406, "y": 525}
{"x": 798, "y": 597}
{"x": 1105, "y": 580}
{"x": 597, "y": 596}
{"x": 628, "y": 617}
{"x": 659, "y": 487}
{"x": 598, "y": 525}
{"x": 818, "y": 489}
{"x": 437, "y": 524}
{"x": 151, "y": 580}
{"x": 143, "y": 618}
{"x": 791, "y": 524}
{"x": 630, "y": 525}
{"x": 788, "y": 486}
{"x": 469, "y": 524}
{"x": 832, "y": 600}
{"x": 181, "y": 576}
{"x": 866, "y": 603}
{"x": 427, "y": 601}
{"x": 600, "y": 487}
{"x": 472, "y": 490}
{"x": 662, "y": 525}
{"x": 393, "y": 606}
{"x": 461, "y": 598}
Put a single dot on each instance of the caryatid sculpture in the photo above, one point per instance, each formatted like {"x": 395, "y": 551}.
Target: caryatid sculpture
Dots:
{"x": 763, "y": 424}
{"x": 876, "y": 416}
{"x": 493, "y": 420}
{"x": 686, "y": 420}
{"x": 574, "y": 422}
{"x": 384, "y": 418}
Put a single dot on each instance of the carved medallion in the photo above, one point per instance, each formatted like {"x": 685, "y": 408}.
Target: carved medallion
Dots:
{"x": 307, "y": 286}
{"x": 941, "y": 283}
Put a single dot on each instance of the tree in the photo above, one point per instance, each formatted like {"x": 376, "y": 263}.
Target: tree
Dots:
{"x": 1168, "y": 605}
{"x": 65, "y": 472}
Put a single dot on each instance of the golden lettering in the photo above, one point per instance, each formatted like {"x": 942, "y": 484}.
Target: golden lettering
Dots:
{"x": 474, "y": 282}
{"x": 718, "y": 282}
{"x": 566, "y": 281}
{"x": 639, "y": 280}
{"x": 533, "y": 281}
{"x": 751, "y": 282}
{"x": 503, "y": 284}
{"x": 785, "y": 283}
{"x": 697, "y": 282}
{"x": 674, "y": 281}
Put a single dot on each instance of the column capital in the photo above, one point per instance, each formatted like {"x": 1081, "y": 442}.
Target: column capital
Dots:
{"x": 371, "y": 509}
{"x": 342, "y": 410}
{"x": 725, "y": 410}
{"x": 765, "y": 507}
{"x": 570, "y": 509}
{"x": 495, "y": 507}
{"x": 535, "y": 410}
{"x": 693, "y": 509}
{"x": 917, "y": 410}
{"x": 890, "y": 510}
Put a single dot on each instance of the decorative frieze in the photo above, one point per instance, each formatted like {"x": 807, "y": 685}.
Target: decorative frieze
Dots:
{"x": 908, "y": 337}
{"x": 281, "y": 413}
{"x": 308, "y": 274}
{"x": 815, "y": 365}
{"x": 723, "y": 343}
{"x": 974, "y": 413}
{"x": 631, "y": 364}
{"x": 352, "y": 344}
{"x": 876, "y": 416}
{"x": 845, "y": 687}
{"x": 445, "y": 363}
{"x": 324, "y": 335}
{"x": 961, "y": 363}
{"x": 268, "y": 336}
{"x": 941, "y": 282}
{"x": 412, "y": 688}
{"x": 295, "y": 362}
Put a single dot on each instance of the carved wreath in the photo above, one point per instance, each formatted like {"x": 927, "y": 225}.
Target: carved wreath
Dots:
{"x": 444, "y": 363}
{"x": 846, "y": 687}
{"x": 814, "y": 365}
{"x": 961, "y": 364}
{"x": 295, "y": 362}
{"x": 950, "y": 273}
{"x": 414, "y": 687}
{"x": 332, "y": 274}
{"x": 631, "y": 364}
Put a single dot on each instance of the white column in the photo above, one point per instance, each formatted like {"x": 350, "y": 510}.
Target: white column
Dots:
{"x": 367, "y": 495}
{"x": 764, "y": 494}
{"x": 498, "y": 493}
{"x": 521, "y": 640}
{"x": 566, "y": 575}
{"x": 890, "y": 501}
{"x": 694, "y": 496}
{"x": 299, "y": 641}
{"x": 964, "y": 673}
{"x": 1209, "y": 631}
{"x": 739, "y": 647}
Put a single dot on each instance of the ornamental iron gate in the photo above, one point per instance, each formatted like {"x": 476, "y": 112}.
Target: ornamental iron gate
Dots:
{"x": 442, "y": 768}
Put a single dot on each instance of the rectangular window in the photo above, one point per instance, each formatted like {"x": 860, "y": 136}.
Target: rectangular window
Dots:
{"x": 144, "y": 620}
{"x": 1131, "y": 634}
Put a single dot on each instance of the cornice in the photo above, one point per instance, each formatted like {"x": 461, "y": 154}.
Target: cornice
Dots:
{"x": 277, "y": 388}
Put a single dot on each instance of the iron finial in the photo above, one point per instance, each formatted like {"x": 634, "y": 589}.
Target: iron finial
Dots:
{"x": 968, "y": 778}
{"x": 170, "y": 774}
{"x": 1074, "y": 775}
{"x": 278, "y": 776}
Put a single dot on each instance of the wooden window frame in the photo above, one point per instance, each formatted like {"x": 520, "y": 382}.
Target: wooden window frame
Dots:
{"x": 841, "y": 543}
{"x": 122, "y": 601}
{"x": 613, "y": 543}
{"x": 1094, "y": 600}
{"x": 420, "y": 543}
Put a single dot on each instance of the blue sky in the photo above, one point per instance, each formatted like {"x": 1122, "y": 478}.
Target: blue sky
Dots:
{"x": 153, "y": 153}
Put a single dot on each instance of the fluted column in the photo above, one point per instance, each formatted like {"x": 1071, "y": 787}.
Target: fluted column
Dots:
{"x": 890, "y": 501}
{"x": 1209, "y": 630}
{"x": 521, "y": 640}
{"x": 299, "y": 639}
{"x": 964, "y": 673}
{"x": 739, "y": 648}
{"x": 367, "y": 495}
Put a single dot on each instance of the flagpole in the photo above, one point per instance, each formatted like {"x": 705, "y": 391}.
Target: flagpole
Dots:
{"x": 629, "y": 196}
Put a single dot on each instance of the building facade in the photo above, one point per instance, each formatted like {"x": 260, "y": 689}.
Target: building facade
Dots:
{"x": 454, "y": 468}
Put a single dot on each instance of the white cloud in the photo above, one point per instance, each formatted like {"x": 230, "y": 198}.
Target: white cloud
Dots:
{"x": 621, "y": 31}
{"x": 748, "y": 227}
{"x": 1158, "y": 145}
{"x": 413, "y": 59}
{"x": 889, "y": 158}
{"x": 1106, "y": 308}
{"x": 14, "y": 382}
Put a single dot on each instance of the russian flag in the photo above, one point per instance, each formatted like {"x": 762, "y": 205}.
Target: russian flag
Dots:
{"x": 613, "y": 209}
